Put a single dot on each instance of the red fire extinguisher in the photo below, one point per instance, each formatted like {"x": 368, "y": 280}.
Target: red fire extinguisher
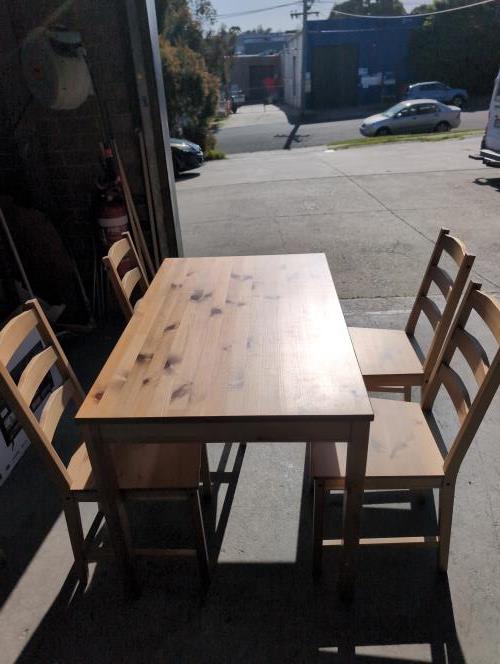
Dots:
{"x": 113, "y": 221}
{"x": 111, "y": 212}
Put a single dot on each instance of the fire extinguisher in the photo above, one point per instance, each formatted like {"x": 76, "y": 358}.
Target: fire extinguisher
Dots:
{"x": 110, "y": 209}
{"x": 112, "y": 219}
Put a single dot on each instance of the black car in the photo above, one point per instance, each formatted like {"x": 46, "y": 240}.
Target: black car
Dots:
{"x": 185, "y": 155}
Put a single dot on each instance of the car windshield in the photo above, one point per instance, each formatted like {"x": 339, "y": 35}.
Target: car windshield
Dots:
{"x": 391, "y": 112}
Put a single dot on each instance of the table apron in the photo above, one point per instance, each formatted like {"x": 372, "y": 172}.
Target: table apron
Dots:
{"x": 228, "y": 431}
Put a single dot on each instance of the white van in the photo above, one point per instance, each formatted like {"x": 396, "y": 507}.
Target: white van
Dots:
{"x": 490, "y": 145}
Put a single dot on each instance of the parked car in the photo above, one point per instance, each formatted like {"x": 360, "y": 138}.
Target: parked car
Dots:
{"x": 408, "y": 117}
{"x": 437, "y": 91}
{"x": 185, "y": 155}
{"x": 490, "y": 145}
{"x": 237, "y": 97}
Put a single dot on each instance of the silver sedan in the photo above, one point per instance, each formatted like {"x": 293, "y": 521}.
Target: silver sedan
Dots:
{"x": 410, "y": 116}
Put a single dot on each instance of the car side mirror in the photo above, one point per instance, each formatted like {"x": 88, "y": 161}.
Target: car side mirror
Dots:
{"x": 398, "y": 115}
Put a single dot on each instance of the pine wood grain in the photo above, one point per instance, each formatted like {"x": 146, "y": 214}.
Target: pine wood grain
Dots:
{"x": 251, "y": 337}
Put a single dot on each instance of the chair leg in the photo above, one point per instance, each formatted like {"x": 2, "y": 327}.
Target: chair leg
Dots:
{"x": 201, "y": 542}
{"x": 318, "y": 520}
{"x": 205, "y": 473}
{"x": 407, "y": 392}
{"x": 446, "y": 500}
{"x": 75, "y": 531}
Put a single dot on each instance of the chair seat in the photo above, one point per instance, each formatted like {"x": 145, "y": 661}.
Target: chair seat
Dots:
{"x": 402, "y": 451}
{"x": 386, "y": 357}
{"x": 149, "y": 467}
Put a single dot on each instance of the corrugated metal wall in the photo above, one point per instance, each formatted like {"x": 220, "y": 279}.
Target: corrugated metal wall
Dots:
{"x": 357, "y": 61}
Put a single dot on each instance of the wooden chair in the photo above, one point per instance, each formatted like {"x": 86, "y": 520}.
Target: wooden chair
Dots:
{"x": 133, "y": 279}
{"x": 405, "y": 449}
{"x": 145, "y": 472}
{"x": 387, "y": 358}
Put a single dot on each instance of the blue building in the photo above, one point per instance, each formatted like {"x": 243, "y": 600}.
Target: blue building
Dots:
{"x": 350, "y": 61}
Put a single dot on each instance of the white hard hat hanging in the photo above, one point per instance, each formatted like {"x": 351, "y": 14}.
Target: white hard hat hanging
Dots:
{"x": 55, "y": 68}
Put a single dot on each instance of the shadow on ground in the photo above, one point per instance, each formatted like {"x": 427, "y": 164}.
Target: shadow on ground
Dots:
{"x": 30, "y": 504}
{"x": 292, "y": 138}
{"x": 494, "y": 183}
{"x": 188, "y": 175}
{"x": 402, "y": 612}
{"x": 355, "y": 112}
{"x": 253, "y": 612}
{"x": 329, "y": 114}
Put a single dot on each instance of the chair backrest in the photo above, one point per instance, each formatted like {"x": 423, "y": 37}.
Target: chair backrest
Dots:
{"x": 134, "y": 277}
{"x": 451, "y": 289}
{"x": 486, "y": 373}
{"x": 20, "y": 396}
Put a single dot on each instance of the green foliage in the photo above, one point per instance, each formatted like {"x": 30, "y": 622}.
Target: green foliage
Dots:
{"x": 182, "y": 21}
{"x": 368, "y": 8}
{"x": 191, "y": 84}
{"x": 405, "y": 138}
{"x": 192, "y": 92}
{"x": 461, "y": 49}
{"x": 214, "y": 155}
{"x": 259, "y": 30}
{"x": 195, "y": 65}
{"x": 218, "y": 47}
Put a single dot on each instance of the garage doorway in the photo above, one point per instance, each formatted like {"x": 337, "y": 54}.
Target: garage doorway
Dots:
{"x": 334, "y": 76}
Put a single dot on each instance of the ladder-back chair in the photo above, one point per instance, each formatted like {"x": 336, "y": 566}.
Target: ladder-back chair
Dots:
{"x": 132, "y": 280}
{"x": 405, "y": 450}
{"x": 145, "y": 472}
{"x": 387, "y": 358}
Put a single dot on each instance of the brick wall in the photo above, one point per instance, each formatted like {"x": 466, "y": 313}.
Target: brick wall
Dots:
{"x": 51, "y": 159}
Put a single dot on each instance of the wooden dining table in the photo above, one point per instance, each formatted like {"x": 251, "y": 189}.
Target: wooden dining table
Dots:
{"x": 233, "y": 348}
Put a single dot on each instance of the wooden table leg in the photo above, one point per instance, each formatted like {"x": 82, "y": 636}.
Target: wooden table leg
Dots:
{"x": 357, "y": 450}
{"x": 113, "y": 507}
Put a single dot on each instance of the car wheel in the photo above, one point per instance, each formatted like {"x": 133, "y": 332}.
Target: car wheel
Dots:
{"x": 458, "y": 101}
{"x": 383, "y": 131}
{"x": 442, "y": 126}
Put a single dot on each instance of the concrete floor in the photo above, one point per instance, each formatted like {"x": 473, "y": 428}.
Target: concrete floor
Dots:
{"x": 262, "y": 605}
{"x": 374, "y": 211}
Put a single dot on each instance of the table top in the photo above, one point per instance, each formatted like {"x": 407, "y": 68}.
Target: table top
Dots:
{"x": 250, "y": 337}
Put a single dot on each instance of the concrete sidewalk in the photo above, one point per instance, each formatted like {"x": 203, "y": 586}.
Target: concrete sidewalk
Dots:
{"x": 374, "y": 211}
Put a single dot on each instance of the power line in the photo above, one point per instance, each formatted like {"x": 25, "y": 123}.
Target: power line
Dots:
{"x": 405, "y": 16}
{"x": 341, "y": 13}
{"x": 257, "y": 11}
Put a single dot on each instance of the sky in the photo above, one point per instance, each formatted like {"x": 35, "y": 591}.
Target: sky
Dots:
{"x": 277, "y": 19}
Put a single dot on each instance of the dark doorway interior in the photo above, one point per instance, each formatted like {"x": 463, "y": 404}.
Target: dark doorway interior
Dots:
{"x": 334, "y": 76}
{"x": 259, "y": 75}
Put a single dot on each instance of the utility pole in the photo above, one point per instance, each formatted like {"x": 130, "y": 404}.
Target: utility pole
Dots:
{"x": 306, "y": 12}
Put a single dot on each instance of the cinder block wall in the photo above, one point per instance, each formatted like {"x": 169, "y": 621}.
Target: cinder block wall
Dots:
{"x": 50, "y": 160}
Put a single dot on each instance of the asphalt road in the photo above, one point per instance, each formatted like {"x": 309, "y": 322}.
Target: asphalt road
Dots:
{"x": 255, "y": 128}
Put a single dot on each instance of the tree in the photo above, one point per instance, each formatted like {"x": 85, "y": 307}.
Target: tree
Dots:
{"x": 369, "y": 8}
{"x": 218, "y": 48}
{"x": 182, "y": 21}
{"x": 192, "y": 91}
{"x": 259, "y": 30}
{"x": 194, "y": 58}
{"x": 460, "y": 48}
